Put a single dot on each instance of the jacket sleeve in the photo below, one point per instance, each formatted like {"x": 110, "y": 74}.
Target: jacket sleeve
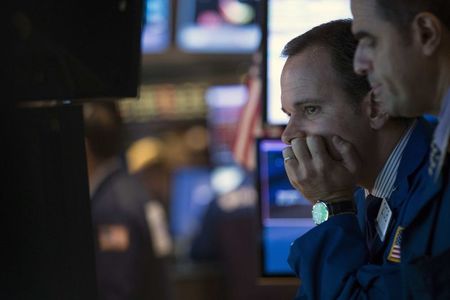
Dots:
{"x": 331, "y": 262}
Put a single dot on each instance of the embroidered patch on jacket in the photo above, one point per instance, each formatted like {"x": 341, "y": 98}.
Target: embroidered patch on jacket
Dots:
{"x": 113, "y": 238}
{"x": 395, "y": 252}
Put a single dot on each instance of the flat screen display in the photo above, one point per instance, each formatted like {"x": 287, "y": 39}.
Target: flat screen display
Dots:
{"x": 286, "y": 19}
{"x": 156, "y": 31}
{"x": 219, "y": 26}
{"x": 285, "y": 214}
{"x": 66, "y": 50}
{"x": 191, "y": 194}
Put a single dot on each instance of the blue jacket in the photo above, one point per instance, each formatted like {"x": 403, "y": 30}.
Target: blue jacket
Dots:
{"x": 426, "y": 241}
{"x": 332, "y": 258}
{"x": 126, "y": 265}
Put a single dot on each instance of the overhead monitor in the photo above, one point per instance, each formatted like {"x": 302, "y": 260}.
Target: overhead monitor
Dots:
{"x": 284, "y": 20}
{"x": 156, "y": 32}
{"x": 67, "y": 50}
{"x": 219, "y": 26}
{"x": 284, "y": 213}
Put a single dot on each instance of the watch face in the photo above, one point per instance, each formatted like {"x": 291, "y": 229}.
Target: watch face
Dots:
{"x": 319, "y": 213}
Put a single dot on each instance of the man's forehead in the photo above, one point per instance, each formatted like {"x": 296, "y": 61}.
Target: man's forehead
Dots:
{"x": 363, "y": 10}
{"x": 365, "y": 18}
{"x": 308, "y": 66}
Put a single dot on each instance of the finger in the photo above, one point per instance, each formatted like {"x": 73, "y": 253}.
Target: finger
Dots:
{"x": 317, "y": 148}
{"x": 291, "y": 165}
{"x": 349, "y": 155}
{"x": 301, "y": 150}
{"x": 335, "y": 155}
{"x": 288, "y": 154}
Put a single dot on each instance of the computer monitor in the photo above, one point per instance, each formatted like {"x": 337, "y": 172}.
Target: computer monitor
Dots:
{"x": 191, "y": 194}
{"x": 71, "y": 50}
{"x": 156, "y": 32}
{"x": 284, "y": 213}
{"x": 284, "y": 20}
{"x": 218, "y": 26}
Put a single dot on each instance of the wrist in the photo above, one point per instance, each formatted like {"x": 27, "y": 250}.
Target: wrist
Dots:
{"x": 342, "y": 196}
{"x": 323, "y": 210}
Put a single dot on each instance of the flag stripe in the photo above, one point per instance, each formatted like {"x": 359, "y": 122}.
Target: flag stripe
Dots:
{"x": 243, "y": 146}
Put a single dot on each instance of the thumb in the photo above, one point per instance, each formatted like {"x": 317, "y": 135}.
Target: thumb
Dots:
{"x": 350, "y": 157}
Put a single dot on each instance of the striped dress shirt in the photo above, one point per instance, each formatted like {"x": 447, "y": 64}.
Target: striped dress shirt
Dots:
{"x": 384, "y": 183}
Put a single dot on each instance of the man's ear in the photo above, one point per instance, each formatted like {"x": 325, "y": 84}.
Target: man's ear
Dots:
{"x": 427, "y": 32}
{"x": 377, "y": 115}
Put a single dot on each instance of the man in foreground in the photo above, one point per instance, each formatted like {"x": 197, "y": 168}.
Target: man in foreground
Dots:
{"x": 336, "y": 125}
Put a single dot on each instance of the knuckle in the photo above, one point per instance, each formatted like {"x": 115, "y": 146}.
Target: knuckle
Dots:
{"x": 346, "y": 148}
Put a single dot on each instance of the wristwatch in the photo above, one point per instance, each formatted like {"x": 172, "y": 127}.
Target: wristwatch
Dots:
{"x": 323, "y": 210}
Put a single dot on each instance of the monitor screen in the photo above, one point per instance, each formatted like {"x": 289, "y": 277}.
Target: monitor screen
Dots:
{"x": 191, "y": 194}
{"x": 286, "y": 19}
{"x": 285, "y": 214}
{"x": 218, "y": 26}
{"x": 156, "y": 31}
{"x": 67, "y": 50}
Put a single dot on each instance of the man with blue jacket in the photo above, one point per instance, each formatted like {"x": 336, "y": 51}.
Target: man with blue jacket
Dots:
{"x": 339, "y": 136}
{"x": 404, "y": 49}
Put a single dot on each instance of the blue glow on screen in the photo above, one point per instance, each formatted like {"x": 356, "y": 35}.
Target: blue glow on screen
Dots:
{"x": 285, "y": 213}
{"x": 191, "y": 194}
{"x": 156, "y": 31}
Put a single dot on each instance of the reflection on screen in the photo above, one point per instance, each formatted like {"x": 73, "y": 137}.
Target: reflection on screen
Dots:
{"x": 156, "y": 31}
{"x": 285, "y": 213}
{"x": 287, "y": 19}
{"x": 218, "y": 26}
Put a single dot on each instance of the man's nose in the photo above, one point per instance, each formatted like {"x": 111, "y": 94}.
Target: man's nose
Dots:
{"x": 361, "y": 62}
{"x": 291, "y": 132}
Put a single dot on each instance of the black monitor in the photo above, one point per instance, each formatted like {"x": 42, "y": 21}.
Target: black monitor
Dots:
{"x": 284, "y": 214}
{"x": 68, "y": 50}
{"x": 284, "y": 20}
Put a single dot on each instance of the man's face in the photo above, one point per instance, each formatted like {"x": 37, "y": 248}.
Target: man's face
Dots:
{"x": 316, "y": 104}
{"x": 392, "y": 63}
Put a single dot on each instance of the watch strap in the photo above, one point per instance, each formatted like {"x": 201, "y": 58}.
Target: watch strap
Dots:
{"x": 341, "y": 207}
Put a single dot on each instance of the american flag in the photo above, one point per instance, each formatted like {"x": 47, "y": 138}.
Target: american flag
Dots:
{"x": 395, "y": 253}
{"x": 249, "y": 126}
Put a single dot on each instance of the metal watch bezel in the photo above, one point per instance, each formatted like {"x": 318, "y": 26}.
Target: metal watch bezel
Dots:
{"x": 320, "y": 212}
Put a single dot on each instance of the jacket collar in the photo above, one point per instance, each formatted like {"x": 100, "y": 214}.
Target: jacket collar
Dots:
{"x": 413, "y": 181}
{"x": 413, "y": 159}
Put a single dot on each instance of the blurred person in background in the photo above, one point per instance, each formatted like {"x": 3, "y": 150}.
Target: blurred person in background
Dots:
{"x": 127, "y": 261}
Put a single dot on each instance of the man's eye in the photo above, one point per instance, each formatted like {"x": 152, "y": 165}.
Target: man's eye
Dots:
{"x": 367, "y": 41}
{"x": 310, "y": 110}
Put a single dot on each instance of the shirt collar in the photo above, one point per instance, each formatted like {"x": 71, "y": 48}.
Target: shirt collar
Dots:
{"x": 385, "y": 180}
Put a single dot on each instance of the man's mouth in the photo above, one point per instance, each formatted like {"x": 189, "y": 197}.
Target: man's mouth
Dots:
{"x": 376, "y": 89}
